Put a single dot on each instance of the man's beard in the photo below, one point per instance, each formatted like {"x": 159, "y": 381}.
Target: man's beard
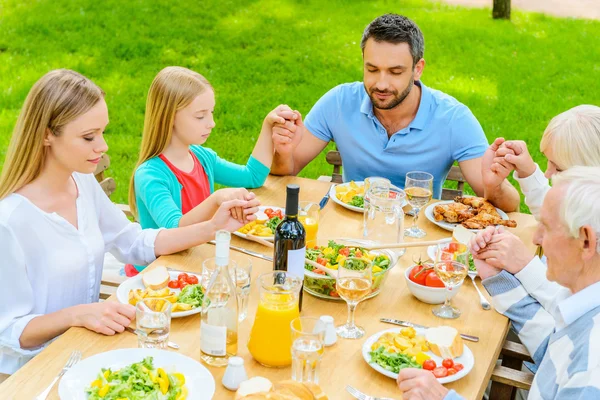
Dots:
{"x": 396, "y": 99}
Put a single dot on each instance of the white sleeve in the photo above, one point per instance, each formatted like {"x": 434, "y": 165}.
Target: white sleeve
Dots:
{"x": 533, "y": 278}
{"x": 126, "y": 240}
{"x": 16, "y": 298}
{"x": 534, "y": 187}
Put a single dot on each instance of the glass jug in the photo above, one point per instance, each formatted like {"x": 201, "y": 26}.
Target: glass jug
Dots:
{"x": 270, "y": 340}
{"x": 383, "y": 220}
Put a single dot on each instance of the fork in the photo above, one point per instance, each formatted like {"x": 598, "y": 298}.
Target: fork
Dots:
{"x": 73, "y": 359}
{"x": 361, "y": 396}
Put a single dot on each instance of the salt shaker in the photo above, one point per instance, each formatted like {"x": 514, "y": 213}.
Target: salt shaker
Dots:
{"x": 235, "y": 373}
{"x": 330, "y": 335}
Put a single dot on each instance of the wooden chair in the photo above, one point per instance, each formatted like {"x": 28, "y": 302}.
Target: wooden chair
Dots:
{"x": 455, "y": 175}
{"x": 509, "y": 377}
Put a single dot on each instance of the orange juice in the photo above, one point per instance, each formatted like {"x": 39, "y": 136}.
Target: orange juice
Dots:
{"x": 271, "y": 337}
{"x": 311, "y": 226}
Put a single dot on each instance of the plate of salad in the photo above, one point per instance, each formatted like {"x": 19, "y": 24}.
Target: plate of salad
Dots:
{"x": 320, "y": 285}
{"x": 267, "y": 219}
{"x": 351, "y": 195}
{"x": 137, "y": 374}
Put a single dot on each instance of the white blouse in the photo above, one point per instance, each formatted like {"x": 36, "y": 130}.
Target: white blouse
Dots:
{"x": 46, "y": 264}
{"x": 534, "y": 187}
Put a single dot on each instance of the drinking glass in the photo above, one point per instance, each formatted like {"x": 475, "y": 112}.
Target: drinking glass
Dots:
{"x": 153, "y": 320}
{"x": 419, "y": 189}
{"x": 242, "y": 278}
{"x": 308, "y": 214}
{"x": 354, "y": 281}
{"x": 308, "y": 336}
{"x": 451, "y": 268}
{"x": 209, "y": 266}
{"x": 383, "y": 217}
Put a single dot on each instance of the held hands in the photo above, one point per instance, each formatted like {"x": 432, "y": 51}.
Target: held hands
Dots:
{"x": 500, "y": 249}
{"x": 223, "y": 218}
{"x": 224, "y": 195}
{"x": 513, "y": 155}
{"x": 494, "y": 169}
{"x": 106, "y": 318}
{"x": 287, "y": 130}
{"x": 419, "y": 384}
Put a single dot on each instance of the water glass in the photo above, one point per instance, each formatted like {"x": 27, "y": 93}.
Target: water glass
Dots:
{"x": 308, "y": 335}
{"x": 242, "y": 278}
{"x": 209, "y": 266}
{"x": 383, "y": 217}
{"x": 451, "y": 268}
{"x": 308, "y": 215}
{"x": 419, "y": 190}
{"x": 153, "y": 319}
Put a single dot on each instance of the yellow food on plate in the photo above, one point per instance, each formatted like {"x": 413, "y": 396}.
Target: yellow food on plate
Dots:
{"x": 345, "y": 193}
{"x": 405, "y": 342}
{"x": 157, "y": 298}
{"x": 256, "y": 228}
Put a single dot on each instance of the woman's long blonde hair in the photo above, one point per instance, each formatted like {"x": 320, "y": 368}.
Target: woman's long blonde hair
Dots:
{"x": 575, "y": 137}
{"x": 55, "y": 99}
{"x": 172, "y": 89}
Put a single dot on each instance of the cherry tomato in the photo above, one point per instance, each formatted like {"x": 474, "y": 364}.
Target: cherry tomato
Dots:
{"x": 192, "y": 279}
{"x": 451, "y": 371}
{"x": 429, "y": 365}
{"x": 173, "y": 284}
{"x": 420, "y": 278}
{"x": 458, "y": 367}
{"x": 448, "y": 363}
{"x": 183, "y": 276}
{"x": 453, "y": 247}
{"x": 268, "y": 211}
{"x": 182, "y": 284}
{"x": 321, "y": 261}
{"x": 319, "y": 272}
{"x": 358, "y": 253}
{"x": 440, "y": 372}
{"x": 344, "y": 251}
{"x": 433, "y": 280}
{"x": 333, "y": 293}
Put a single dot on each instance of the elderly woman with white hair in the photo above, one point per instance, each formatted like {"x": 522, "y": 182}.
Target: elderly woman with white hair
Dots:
{"x": 562, "y": 333}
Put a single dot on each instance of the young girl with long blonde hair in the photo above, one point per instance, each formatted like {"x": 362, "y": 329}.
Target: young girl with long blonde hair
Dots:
{"x": 173, "y": 184}
{"x": 56, "y": 223}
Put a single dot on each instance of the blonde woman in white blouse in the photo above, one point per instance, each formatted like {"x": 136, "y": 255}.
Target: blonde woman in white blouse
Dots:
{"x": 56, "y": 223}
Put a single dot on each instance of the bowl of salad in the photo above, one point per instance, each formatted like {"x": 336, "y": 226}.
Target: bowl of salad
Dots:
{"x": 320, "y": 285}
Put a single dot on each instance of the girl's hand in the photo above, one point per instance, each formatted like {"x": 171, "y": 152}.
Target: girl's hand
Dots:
{"x": 107, "y": 318}
{"x": 223, "y": 218}
{"x": 228, "y": 194}
{"x": 519, "y": 157}
{"x": 280, "y": 115}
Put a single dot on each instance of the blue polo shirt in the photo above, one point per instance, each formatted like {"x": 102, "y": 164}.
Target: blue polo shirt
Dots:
{"x": 443, "y": 131}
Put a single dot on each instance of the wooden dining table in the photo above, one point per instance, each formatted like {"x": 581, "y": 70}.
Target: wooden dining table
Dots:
{"x": 342, "y": 363}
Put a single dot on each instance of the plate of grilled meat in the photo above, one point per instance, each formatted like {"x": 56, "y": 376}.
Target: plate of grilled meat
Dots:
{"x": 474, "y": 213}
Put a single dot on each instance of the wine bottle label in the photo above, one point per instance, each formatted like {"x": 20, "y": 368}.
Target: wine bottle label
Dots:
{"x": 295, "y": 261}
{"x": 213, "y": 339}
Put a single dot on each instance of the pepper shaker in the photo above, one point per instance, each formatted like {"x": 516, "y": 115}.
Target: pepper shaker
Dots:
{"x": 330, "y": 335}
{"x": 234, "y": 374}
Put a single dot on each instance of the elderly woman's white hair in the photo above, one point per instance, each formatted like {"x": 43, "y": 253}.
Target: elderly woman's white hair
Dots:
{"x": 574, "y": 136}
{"x": 581, "y": 204}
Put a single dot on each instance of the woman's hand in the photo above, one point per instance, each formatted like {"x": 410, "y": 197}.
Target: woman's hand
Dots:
{"x": 516, "y": 153}
{"x": 419, "y": 384}
{"x": 107, "y": 318}
{"x": 224, "y": 195}
{"x": 223, "y": 218}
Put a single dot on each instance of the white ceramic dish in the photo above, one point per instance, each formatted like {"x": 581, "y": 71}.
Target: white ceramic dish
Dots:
{"x": 429, "y": 295}
{"x": 466, "y": 359}
{"x": 450, "y": 226}
{"x": 198, "y": 380}
{"x": 261, "y": 215}
{"x": 332, "y": 196}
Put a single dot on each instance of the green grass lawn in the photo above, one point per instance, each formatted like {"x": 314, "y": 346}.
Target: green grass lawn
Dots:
{"x": 515, "y": 75}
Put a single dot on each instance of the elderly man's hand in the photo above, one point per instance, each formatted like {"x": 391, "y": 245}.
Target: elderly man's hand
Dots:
{"x": 419, "y": 384}
{"x": 502, "y": 250}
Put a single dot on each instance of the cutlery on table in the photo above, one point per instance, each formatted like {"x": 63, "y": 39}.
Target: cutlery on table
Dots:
{"x": 368, "y": 245}
{"x": 482, "y": 300}
{"x": 361, "y": 396}
{"x": 325, "y": 199}
{"x": 172, "y": 345}
{"x": 412, "y": 325}
{"x": 73, "y": 359}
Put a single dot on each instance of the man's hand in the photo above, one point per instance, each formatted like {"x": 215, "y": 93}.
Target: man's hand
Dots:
{"x": 518, "y": 155}
{"x": 494, "y": 171}
{"x": 288, "y": 135}
{"x": 419, "y": 384}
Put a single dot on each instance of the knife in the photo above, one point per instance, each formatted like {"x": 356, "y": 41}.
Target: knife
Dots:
{"x": 249, "y": 252}
{"x": 325, "y": 199}
{"x": 411, "y": 325}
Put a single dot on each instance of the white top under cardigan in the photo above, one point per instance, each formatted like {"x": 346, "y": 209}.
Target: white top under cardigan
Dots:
{"x": 46, "y": 264}
{"x": 534, "y": 187}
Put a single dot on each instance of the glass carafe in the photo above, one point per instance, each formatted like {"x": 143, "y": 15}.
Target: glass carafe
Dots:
{"x": 271, "y": 337}
{"x": 383, "y": 220}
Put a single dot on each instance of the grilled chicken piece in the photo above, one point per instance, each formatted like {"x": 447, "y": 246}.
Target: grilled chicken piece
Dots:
{"x": 453, "y": 212}
{"x": 480, "y": 205}
{"x": 483, "y": 220}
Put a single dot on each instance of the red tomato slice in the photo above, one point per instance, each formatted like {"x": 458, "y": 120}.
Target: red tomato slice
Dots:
{"x": 174, "y": 284}
{"x": 192, "y": 279}
{"x": 321, "y": 261}
{"x": 344, "y": 251}
{"x": 333, "y": 293}
{"x": 319, "y": 272}
{"x": 429, "y": 365}
{"x": 420, "y": 279}
{"x": 453, "y": 247}
{"x": 268, "y": 211}
{"x": 451, "y": 371}
{"x": 182, "y": 276}
{"x": 440, "y": 372}
{"x": 448, "y": 363}
{"x": 458, "y": 367}
{"x": 433, "y": 280}
{"x": 358, "y": 253}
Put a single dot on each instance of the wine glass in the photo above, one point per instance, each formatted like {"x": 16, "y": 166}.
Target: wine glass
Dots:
{"x": 354, "y": 281}
{"x": 419, "y": 189}
{"x": 451, "y": 268}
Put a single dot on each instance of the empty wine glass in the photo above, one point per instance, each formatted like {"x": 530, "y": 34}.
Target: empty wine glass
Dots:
{"x": 419, "y": 189}
{"x": 354, "y": 281}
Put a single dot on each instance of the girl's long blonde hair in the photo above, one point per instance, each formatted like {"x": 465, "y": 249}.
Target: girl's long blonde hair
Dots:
{"x": 55, "y": 99}
{"x": 575, "y": 137}
{"x": 172, "y": 89}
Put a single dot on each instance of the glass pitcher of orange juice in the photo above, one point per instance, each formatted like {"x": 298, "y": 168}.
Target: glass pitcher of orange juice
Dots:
{"x": 271, "y": 337}
{"x": 308, "y": 215}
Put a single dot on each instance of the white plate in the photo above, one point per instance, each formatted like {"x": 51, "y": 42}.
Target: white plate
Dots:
{"x": 450, "y": 226}
{"x": 198, "y": 380}
{"x": 135, "y": 282}
{"x": 261, "y": 215}
{"x": 332, "y": 196}
{"x": 466, "y": 359}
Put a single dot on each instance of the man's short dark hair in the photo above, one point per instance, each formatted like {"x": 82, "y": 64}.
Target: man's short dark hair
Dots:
{"x": 394, "y": 28}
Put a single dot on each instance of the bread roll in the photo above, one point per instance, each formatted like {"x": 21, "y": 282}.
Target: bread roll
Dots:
{"x": 156, "y": 279}
{"x": 445, "y": 342}
{"x": 258, "y": 388}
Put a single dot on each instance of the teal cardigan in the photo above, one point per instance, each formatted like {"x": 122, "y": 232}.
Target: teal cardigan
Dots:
{"x": 158, "y": 192}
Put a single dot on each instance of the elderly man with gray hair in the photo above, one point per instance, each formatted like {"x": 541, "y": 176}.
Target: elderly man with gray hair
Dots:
{"x": 561, "y": 330}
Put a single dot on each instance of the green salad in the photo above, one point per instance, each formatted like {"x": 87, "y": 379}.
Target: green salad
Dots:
{"x": 393, "y": 362}
{"x": 273, "y": 222}
{"x": 357, "y": 201}
{"x": 138, "y": 381}
{"x": 472, "y": 263}
{"x": 192, "y": 295}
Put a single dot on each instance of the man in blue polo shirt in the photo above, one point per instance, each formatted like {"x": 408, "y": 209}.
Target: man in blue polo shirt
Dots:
{"x": 391, "y": 123}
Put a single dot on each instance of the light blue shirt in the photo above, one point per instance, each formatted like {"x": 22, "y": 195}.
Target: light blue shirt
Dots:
{"x": 579, "y": 303}
{"x": 443, "y": 131}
